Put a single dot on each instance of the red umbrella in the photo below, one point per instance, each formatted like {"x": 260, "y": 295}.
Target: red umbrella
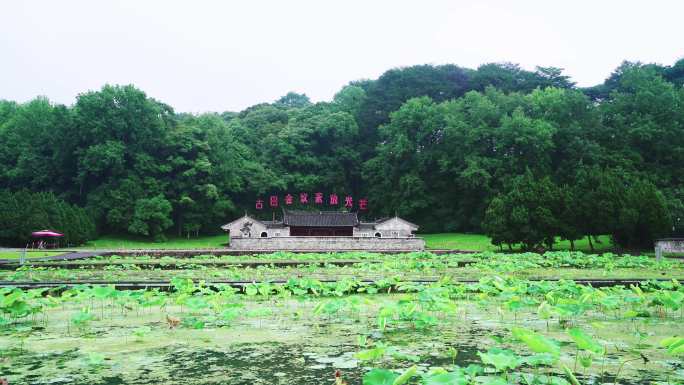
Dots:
{"x": 46, "y": 233}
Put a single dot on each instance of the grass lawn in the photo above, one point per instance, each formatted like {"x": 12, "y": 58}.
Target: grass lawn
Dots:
{"x": 458, "y": 241}
{"x": 29, "y": 254}
{"x": 480, "y": 242}
{"x": 453, "y": 241}
{"x": 111, "y": 242}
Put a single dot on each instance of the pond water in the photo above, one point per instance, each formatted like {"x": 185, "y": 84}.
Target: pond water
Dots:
{"x": 281, "y": 342}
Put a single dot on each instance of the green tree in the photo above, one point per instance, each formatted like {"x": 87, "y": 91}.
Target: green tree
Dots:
{"x": 293, "y": 100}
{"x": 23, "y": 212}
{"x": 121, "y": 136}
{"x": 496, "y": 223}
{"x": 151, "y": 217}
{"x": 529, "y": 213}
{"x": 401, "y": 176}
{"x": 643, "y": 217}
{"x": 396, "y": 86}
{"x": 350, "y": 99}
{"x": 597, "y": 200}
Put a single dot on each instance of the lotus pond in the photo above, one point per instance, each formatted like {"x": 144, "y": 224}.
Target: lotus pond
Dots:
{"x": 500, "y": 330}
{"x": 357, "y": 265}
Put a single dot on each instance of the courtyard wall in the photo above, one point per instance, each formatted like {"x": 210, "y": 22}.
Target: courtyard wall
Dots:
{"x": 327, "y": 244}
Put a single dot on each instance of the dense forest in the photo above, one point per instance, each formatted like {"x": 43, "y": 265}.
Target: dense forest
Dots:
{"x": 524, "y": 156}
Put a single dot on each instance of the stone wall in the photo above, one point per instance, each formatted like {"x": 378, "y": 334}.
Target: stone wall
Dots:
{"x": 671, "y": 245}
{"x": 327, "y": 244}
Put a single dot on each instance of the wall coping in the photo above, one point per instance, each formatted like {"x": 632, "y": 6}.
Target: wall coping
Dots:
{"x": 324, "y": 237}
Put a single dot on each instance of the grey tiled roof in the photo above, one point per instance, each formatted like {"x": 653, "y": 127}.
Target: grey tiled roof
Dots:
{"x": 319, "y": 218}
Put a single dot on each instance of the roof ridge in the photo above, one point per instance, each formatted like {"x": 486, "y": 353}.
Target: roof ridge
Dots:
{"x": 320, "y": 218}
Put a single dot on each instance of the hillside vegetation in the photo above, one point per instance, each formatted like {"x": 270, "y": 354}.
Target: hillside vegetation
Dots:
{"x": 525, "y": 156}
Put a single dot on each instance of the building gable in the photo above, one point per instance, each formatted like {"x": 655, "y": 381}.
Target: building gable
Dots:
{"x": 246, "y": 226}
{"x": 396, "y": 224}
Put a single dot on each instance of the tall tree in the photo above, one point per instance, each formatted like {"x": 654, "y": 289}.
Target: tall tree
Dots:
{"x": 396, "y": 86}
{"x": 120, "y": 133}
{"x": 293, "y": 100}
{"x": 529, "y": 213}
{"x": 643, "y": 217}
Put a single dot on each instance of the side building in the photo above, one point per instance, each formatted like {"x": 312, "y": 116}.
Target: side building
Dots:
{"x": 322, "y": 231}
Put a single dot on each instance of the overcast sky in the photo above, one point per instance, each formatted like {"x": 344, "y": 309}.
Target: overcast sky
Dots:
{"x": 227, "y": 55}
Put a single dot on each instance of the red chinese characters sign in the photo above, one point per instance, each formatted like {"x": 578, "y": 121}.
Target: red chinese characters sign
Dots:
{"x": 319, "y": 198}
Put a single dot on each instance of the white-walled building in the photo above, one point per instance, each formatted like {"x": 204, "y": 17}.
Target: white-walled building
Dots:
{"x": 322, "y": 230}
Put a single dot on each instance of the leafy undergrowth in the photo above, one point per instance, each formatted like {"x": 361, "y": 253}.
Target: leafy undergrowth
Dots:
{"x": 372, "y": 266}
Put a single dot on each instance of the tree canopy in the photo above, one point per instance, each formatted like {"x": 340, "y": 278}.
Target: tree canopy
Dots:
{"x": 524, "y": 155}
